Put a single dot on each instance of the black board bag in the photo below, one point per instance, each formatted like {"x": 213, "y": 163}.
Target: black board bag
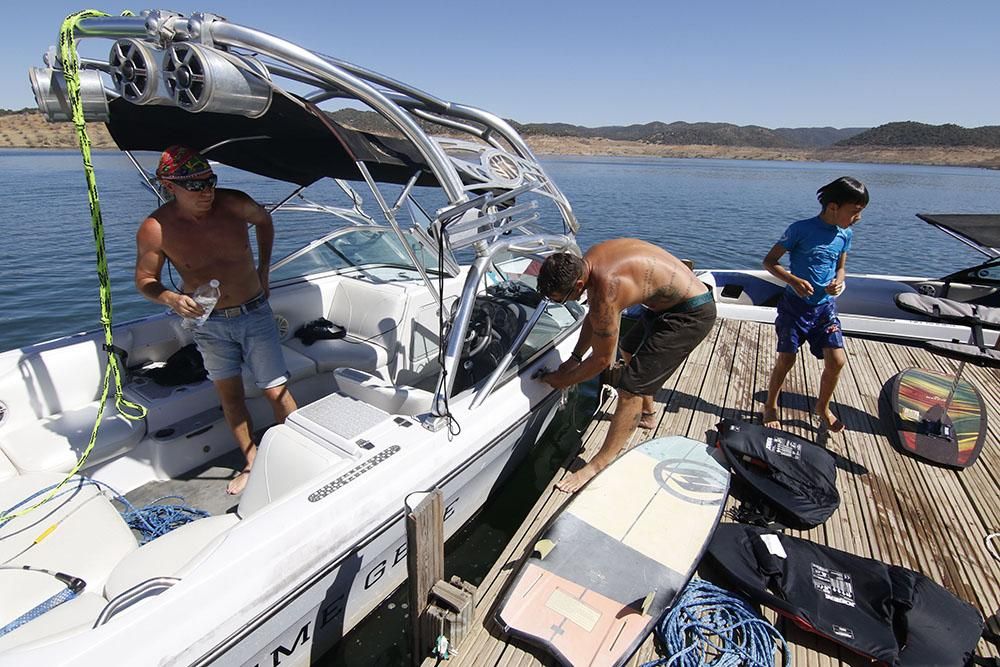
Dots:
{"x": 796, "y": 479}
{"x": 887, "y": 613}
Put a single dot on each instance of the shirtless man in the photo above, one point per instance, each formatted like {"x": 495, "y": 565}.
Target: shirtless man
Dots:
{"x": 615, "y": 275}
{"x": 203, "y": 231}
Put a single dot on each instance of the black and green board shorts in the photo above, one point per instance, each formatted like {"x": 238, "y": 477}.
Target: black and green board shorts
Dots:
{"x": 660, "y": 342}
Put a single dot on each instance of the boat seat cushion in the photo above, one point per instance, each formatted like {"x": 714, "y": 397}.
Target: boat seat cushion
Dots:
{"x": 56, "y": 379}
{"x": 55, "y": 443}
{"x": 373, "y": 390}
{"x": 371, "y": 315}
{"x": 946, "y": 310}
{"x": 89, "y": 539}
{"x": 329, "y": 355}
{"x": 167, "y": 555}
{"x": 988, "y": 358}
{"x": 25, "y": 590}
{"x": 285, "y": 461}
{"x": 7, "y": 469}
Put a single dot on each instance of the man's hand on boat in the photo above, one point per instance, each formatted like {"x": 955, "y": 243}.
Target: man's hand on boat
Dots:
{"x": 556, "y": 379}
{"x": 835, "y": 287}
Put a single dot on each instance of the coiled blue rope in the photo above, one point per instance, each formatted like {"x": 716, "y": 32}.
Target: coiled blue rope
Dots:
{"x": 151, "y": 521}
{"x": 710, "y": 626}
{"x": 154, "y": 520}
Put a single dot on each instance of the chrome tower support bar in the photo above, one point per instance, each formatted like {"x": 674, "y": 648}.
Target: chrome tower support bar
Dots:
{"x": 234, "y": 35}
{"x": 522, "y": 335}
{"x": 524, "y": 245}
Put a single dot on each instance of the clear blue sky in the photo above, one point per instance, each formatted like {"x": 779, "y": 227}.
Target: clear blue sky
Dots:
{"x": 762, "y": 62}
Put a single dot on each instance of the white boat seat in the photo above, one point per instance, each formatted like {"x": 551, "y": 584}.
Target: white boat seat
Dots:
{"x": 55, "y": 443}
{"x": 371, "y": 315}
{"x": 285, "y": 461}
{"x": 69, "y": 618}
{"x": 89, "y": 538}
{"x": 349, "y": 352}
{"x": 169, "y": 555}
{"x": 51, "y": 406}
{"x": 373, "y": 390}
{"x": 7, "y": 469}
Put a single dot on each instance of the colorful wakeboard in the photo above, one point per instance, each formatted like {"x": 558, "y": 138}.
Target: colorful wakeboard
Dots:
{"x": 923, "y": 429}
{"x": 618, "y": 554}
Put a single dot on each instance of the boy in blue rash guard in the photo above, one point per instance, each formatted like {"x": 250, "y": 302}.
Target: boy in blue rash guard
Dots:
{"x": 807, "y": 312}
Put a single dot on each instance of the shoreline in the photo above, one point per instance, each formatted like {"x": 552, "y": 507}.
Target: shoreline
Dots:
{"x": 970, "y": 156}
{"x": 31, "y": 131}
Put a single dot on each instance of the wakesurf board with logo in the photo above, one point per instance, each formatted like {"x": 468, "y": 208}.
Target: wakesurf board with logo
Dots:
{"x": 614, "y": 559}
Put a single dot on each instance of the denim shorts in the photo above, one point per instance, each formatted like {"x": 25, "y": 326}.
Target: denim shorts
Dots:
{"x": 799, "y": 322}
{"x": 226, "y": 343}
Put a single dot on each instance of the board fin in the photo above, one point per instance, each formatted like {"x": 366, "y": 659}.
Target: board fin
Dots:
{"x": 647, "y": 601}
{"x": 543, "y": 547}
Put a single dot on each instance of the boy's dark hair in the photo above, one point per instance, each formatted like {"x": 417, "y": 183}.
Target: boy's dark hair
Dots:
{"x": 558, "y": 273}
{"x": 844, "y": 190}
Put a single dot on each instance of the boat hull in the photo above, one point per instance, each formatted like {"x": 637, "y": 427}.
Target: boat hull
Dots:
{"x": 312, "y": 617}
{"x": 866, "y": 307}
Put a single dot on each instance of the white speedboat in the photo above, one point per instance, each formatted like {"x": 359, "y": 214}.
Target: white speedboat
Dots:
{"x": 429, "y": 385}
{"x": 868, "y": 305}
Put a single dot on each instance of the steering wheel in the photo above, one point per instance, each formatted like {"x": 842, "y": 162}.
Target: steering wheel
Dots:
{"x": 479, "y": 334}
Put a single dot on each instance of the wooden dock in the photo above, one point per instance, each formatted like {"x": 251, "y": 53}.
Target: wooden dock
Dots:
{"x": 893, "y": 508}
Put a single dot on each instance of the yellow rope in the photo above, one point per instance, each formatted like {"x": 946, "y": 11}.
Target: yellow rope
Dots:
{"x": 71, "y": 70}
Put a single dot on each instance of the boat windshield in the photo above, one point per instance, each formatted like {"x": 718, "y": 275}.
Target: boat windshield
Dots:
{"x": 374, "y": 251}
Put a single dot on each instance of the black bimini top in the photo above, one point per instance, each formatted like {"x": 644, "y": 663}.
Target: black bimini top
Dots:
{"x": 294, "y": 141}
{"x": 981, "y": 229}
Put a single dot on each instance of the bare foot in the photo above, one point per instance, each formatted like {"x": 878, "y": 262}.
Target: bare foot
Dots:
{"x": 830, "y": 421}
{"x": 575, "y": 481}
{"x": 238, "y": 483}
{"x": 770, "y": 418}
{"x": 648, "y": 421}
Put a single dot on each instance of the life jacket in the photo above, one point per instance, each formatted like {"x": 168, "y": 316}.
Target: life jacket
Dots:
{"x": 796, "y": 478}
{"x": 887, "y": 613}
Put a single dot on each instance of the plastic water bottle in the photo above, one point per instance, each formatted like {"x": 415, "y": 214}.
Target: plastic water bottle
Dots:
{"x": 206, "y": 296}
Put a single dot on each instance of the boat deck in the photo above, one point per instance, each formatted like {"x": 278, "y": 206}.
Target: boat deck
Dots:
{"x": 893, "y": 508}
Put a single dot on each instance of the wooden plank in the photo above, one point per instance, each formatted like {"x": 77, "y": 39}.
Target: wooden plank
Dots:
{"x": 893, "y": 508}
{"x": 424, "y": 563}
{"x": 709, "y": 399}
{"x": 679, "y": 409}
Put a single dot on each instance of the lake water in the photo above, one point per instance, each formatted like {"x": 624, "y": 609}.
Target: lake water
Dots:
{"x": 720, "y": 213}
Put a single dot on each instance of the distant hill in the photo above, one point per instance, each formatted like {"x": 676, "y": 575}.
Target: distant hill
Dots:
{"x": 893, "y": 143}
{"x": 817, "y": 137}
{"x": 910, "y": 133}
{"x": 704, "y": 134}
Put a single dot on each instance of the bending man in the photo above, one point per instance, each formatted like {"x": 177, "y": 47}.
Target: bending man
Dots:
{"x": 203, "y": 231}
{"x": 617, "y": 274}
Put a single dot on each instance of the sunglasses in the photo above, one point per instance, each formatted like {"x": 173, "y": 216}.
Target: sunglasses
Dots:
{"x": 197, "y": 185}
{"x": 572, "y": 289}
